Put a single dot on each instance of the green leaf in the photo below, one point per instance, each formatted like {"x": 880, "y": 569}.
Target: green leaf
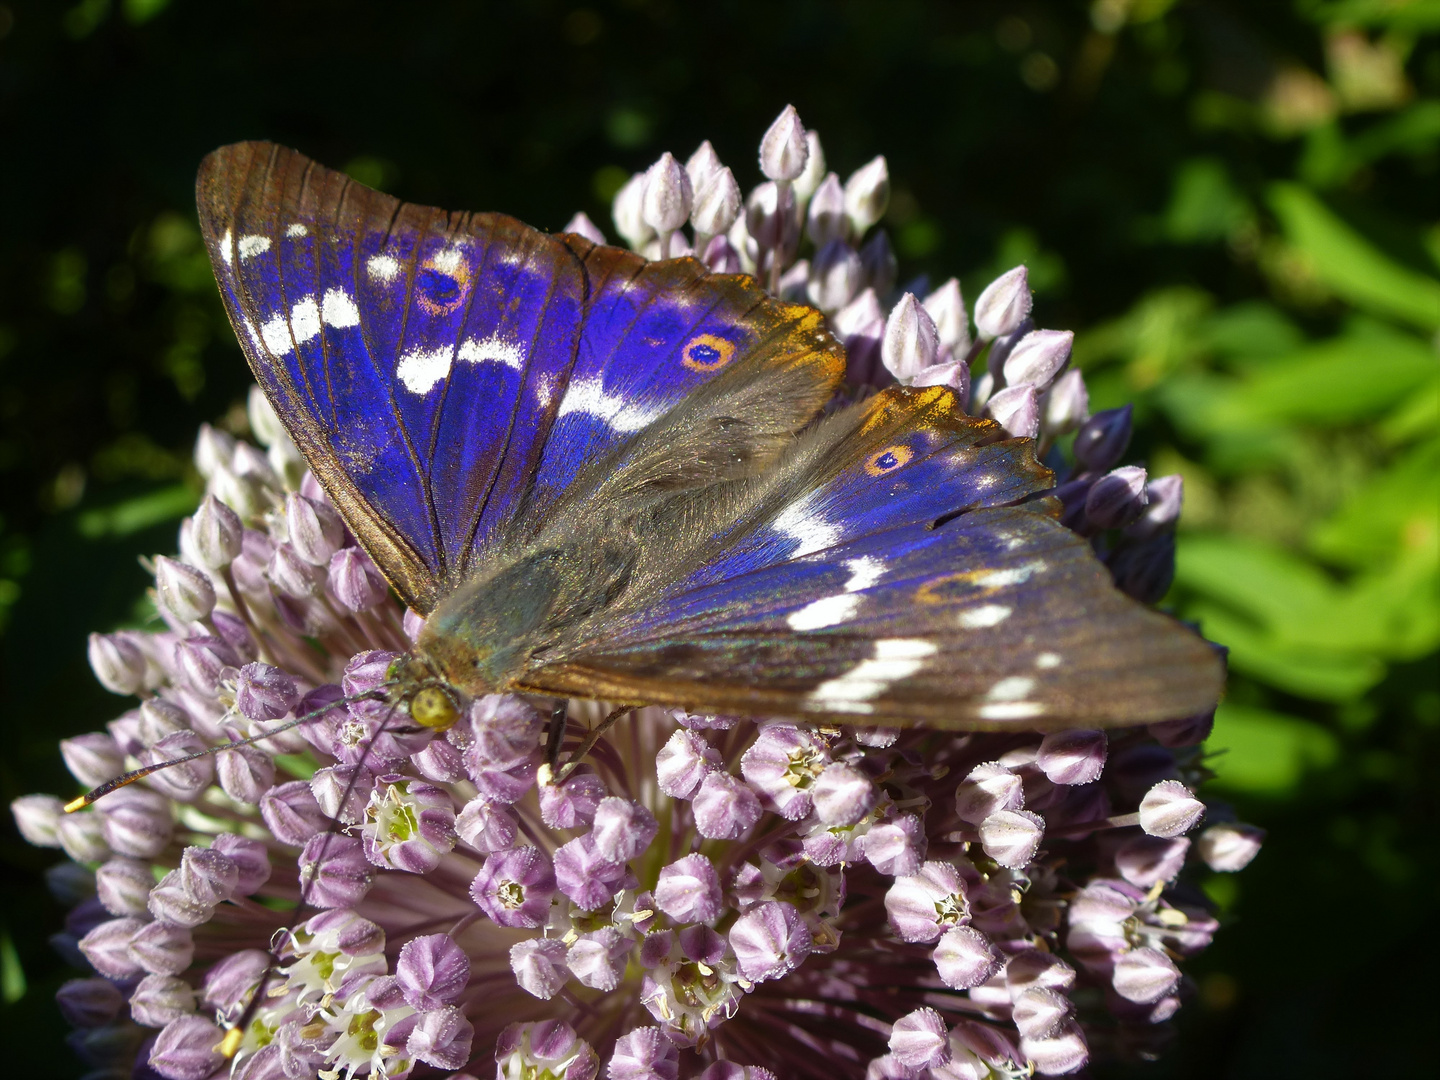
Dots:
{"x": 1366, "y": 371}
{"x": 1205, "y": 205}
{"x": 1261, "y": 752}
{"x": 141, "y": 512}
{"x": 1303, "y": 671}
{"x": 1350, "y": 265}
{"x": 1394, "y": 508}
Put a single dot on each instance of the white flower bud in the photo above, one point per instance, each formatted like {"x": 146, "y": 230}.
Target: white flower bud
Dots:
{"x": 215, "y": 534}
{"x": 702, "y": 164}
{"x": 668, "y": 196}
{"x": 1169, "y": 809}
{"x": 946, "y": 306}
{"x": 1230, "y": 846}
{"x": 783, "y": 149}
{"x": 263, "y": 421}
{"x": 1067, "y": 404}
{"x": 1038, "y": 357}
{"x": 213, "y": 450}
{"x": 867, "y": 194}
{"x": 581, "y": 225}
{"x": 911, "y": 343}
{"x": 717, "y": 203}
{"x": 184, "y": 591}
{"x": 118, "y": 663}
{"x": 1017, "y": 410}
{"x": 809, "y": 180}
{"x": 825, "y": 220}
{"x": 1004, "y": 304}
{"x": 834, "y": 276}
{"x": 627, "y": 211}
{"x": 861, "y": 314}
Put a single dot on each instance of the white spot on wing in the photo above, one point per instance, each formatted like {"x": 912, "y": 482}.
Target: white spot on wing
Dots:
{"x": 983, "y": 616}
{"x": 225, "y": 252}
{"x": 894, "y": 659}
{"x": 864, "y": 572}
{"x": 447, "y": 261}
{"x": 297, "y": 230}
{"x": 1016, "y": 575}
{"x": 802, "y": 523}
{"x": 1011, "y": 710}
{"x": 1011, "y": 688}
{"x": 338, "y": 309}
{"x": 275, "y": 333}
{"x": 305, "y": 320}
{"x": 421, "y": 369}
{"x": 589, "y": 396}
{"x": 1047, "y": 660}
{"x": 254, "y": 244}
{"x": 494, "y": 349}
{"x": 383, "y": 268}
{"x": 827, "y": 611}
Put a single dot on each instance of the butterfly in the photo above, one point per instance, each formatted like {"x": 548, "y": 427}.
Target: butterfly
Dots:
{"x": 603, "y": 477}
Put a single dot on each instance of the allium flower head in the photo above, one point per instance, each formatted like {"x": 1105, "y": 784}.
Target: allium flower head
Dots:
{"x": 706, "y": 897}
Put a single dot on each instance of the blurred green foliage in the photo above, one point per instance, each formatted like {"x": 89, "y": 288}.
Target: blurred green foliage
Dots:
{"x": 1234, "y": 203}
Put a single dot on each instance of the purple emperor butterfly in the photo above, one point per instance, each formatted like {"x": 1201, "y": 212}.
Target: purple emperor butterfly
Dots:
{"x": 604, "y": 477}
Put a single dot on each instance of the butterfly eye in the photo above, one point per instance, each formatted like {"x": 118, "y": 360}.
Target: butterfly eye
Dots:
{"x": 707, "y": 353}
{"x": 887, "y": 460}
{"x": 433, "y": 707}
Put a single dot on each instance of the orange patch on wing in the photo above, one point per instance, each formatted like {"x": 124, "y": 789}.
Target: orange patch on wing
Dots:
{"x": 706, "y": 352}
{"x": 442, "y": 282}
{"x": 888, "y": 460}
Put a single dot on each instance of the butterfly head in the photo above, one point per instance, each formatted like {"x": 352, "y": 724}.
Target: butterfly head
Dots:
{"x": 431, "y": 701}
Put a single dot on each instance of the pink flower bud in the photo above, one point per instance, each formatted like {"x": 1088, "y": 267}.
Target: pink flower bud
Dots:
{"x": 1011, "y": 837}
{"x": 965, "y": 957}
{"x": 539, "y": 966}
{"x": 251, "y": 859}
{"x": 1066, "y": 404}
{"x": 123, "y": 886}
{"x": 159, "y": 1000}
{"x": 355, "y": 581}
{"x": 724, "y": 807}
{"x": 622, "y": 829}
{"x": 432, "y": 971}
{"x": 316, "y": 531}
{"x": 1144, "y": 975}
{"x": 1072, "y": 757}
{"x": 770, "y": 940}
{"x": 783, "y": 149}
{"x": 1038, "y": 357}
{"x": 162, "y": 949}
{"x": 919, "y": 1040}
{"x": 187, "y": 1050}
{"x": 688, "y": 890}
{"x": 825, "y": 217}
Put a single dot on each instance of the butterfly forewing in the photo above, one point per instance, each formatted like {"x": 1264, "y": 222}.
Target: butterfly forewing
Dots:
{"x": 448, "y": 374}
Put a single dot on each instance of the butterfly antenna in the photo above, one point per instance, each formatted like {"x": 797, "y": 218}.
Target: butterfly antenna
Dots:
{"x": 229, "y": 1046}
{"x": 139, "y": 774}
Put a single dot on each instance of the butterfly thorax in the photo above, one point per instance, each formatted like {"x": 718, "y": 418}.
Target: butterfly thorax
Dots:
{"x": 518, "y": 613}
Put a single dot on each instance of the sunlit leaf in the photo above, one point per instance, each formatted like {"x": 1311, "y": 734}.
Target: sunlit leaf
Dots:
{"x": 1266, "y": 753}
{"x": 1350, "y": 265}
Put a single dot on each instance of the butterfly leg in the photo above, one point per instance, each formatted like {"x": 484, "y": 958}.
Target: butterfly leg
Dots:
{"x": 556, "y": 734}
{"x": 590, "y": 739}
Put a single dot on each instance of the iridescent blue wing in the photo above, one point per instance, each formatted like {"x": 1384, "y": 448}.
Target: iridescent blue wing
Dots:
{"x": 447, "y": 375}
{"x": 896, "y": 568}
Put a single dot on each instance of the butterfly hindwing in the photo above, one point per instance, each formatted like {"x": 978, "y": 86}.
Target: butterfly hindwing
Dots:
{"x": 448, "y": 375}
{"x": 889, "y": 571}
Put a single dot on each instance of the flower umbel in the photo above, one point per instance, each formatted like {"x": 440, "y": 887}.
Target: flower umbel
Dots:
{"x": 706, "y": 897}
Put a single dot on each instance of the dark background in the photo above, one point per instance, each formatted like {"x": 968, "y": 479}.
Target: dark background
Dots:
{"x": 1146, "y": 158}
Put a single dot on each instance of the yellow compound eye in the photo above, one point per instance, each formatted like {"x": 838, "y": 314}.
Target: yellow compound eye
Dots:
{"x": 432, "y": 707}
